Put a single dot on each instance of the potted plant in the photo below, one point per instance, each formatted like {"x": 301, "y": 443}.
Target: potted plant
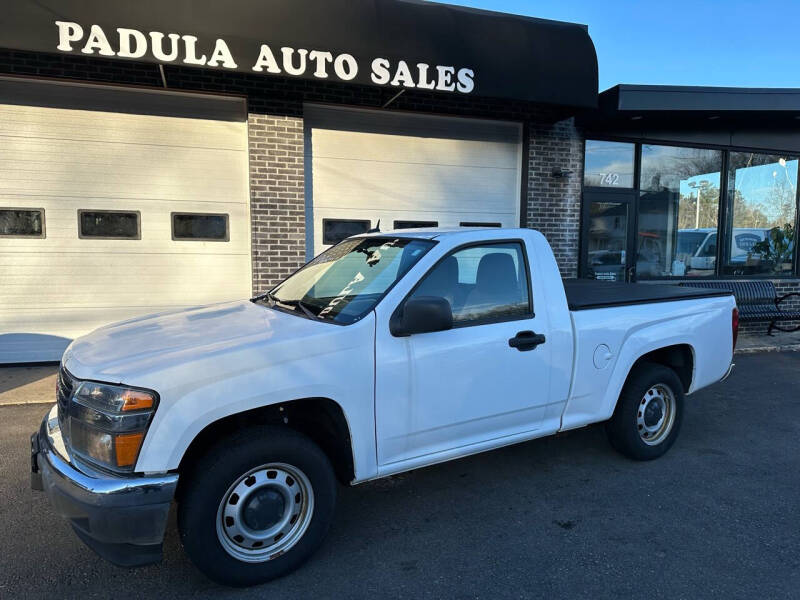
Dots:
{"x": 777, "y": 248}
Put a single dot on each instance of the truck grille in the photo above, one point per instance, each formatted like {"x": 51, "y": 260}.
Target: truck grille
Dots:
{"x": 65, "y": 385}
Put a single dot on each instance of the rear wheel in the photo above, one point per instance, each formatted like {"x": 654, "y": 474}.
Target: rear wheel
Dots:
{"x": 256, "y": 506}
{"x": 649, "y": 413}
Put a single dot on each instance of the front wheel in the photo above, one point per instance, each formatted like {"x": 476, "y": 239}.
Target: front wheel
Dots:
{"x": 256, "y": 505}
{"x": 649, "y": 413}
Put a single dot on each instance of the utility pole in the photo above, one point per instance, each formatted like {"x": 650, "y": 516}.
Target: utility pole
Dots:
{"x": 698, "y": 185}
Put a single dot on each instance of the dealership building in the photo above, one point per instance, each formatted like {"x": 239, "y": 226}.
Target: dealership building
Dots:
{"x": 164, "y": 155}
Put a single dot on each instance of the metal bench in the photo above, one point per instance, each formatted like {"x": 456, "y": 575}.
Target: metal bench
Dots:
{"x": 757, "y": 301}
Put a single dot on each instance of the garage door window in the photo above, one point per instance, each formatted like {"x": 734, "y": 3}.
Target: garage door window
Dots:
{"x": 109, "y": 224}
{"x": 200, "y": 227}
{"x": 22, "y": 222}
{"x": 414, "y": 224}
{"x": 478, "y": 224}
{"x": 336, "y": 230}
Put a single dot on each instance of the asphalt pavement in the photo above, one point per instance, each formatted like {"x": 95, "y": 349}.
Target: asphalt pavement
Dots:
{"x": 561, "y": 517}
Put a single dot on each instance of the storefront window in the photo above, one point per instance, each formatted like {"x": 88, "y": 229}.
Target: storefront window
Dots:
{"x": 608, "y": 164}
{"x": 762, "y": 203}
{"x": 678, "y": 212}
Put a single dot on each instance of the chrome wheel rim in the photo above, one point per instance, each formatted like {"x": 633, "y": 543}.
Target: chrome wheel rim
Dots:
{"x": 656, "y": 414}
{"x": 265, "y": 512}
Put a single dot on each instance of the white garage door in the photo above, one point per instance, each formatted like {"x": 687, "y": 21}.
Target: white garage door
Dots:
{"x": 109, "y": 215}
{"x": 407, "y": 170}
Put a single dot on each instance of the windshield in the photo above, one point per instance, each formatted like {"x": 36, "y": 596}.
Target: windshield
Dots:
{"x": 345, "y": 282}
{"x": 690, "y": 241}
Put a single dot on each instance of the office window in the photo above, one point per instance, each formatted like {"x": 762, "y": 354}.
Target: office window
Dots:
{"x": 678, "y": 212}
{"x": 200, "y": 227}
{"x": 22, "y": 222}
{"x": 109, "y": 224}
{"x": 762, "y": 206}
{"x": 608, "y": 164}
{"x": 414, "y": 224}
{"x": 336, "y": 230}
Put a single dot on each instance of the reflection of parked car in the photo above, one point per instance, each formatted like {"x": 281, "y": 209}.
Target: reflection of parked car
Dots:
{"x": 690, "y": 240}
{"x": 705, "y": 256}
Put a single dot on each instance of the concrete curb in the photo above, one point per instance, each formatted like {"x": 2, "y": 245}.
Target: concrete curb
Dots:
{"x": 758, "y": 349}
{"x": 30, "y": 403}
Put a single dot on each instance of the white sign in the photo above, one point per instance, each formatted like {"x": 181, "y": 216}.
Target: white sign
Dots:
{"x": 295, "y": 62}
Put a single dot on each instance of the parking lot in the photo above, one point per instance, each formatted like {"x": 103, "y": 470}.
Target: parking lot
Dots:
{"x": 560, "y": 517}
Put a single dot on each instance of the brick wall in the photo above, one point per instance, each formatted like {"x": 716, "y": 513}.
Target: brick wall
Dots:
{"x": 783, "y": 287}
{"x": 277, "y": 204}
{"x": 275, "y": 128}
{"x": 554, "y": 204}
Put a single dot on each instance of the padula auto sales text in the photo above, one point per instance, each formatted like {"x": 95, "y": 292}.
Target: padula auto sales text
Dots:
{"x": 297, "y": 62}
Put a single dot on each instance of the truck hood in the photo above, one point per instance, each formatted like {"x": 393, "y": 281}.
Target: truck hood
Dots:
{"x": 121, "y": 351}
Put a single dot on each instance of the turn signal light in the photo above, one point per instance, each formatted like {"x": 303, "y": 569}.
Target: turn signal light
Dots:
{"x": 735, "y": 326}
{"x": 136, "y": 400}
{"x": 127, "y": 447}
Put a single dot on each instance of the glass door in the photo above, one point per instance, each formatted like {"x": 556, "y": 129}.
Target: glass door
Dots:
{"x": 607, "y": 248}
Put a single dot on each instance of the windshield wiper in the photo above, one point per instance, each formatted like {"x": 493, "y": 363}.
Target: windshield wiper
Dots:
{"x": 303, "y": 306}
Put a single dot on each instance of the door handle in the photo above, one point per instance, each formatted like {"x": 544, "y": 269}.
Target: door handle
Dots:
{"x": 527, "y": 340}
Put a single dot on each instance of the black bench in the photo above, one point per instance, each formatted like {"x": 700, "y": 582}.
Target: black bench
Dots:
{"x": 757, "y": 301}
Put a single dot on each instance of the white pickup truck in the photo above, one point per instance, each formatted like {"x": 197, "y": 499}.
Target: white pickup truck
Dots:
{"x": 388, "y": 352}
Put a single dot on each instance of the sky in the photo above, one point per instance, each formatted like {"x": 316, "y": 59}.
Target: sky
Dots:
{"x": 739, "y": 43}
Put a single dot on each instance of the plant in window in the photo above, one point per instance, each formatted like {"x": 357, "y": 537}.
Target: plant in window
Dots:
{"x": 777, "y": 248}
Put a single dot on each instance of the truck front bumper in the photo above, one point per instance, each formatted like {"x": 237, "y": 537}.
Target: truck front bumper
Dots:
{"x": 121, "y": 518}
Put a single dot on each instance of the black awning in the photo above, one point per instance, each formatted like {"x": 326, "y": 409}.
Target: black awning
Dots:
{"x": 752, "y": 118}
{"x": 393, "y": 43}
{"x": 645, "y": 98}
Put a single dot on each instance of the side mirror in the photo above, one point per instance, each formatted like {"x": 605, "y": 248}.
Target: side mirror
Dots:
{"x": 423, "y": 314}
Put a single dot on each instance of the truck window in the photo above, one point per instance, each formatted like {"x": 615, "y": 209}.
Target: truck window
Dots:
{"x": 482, "y": 283}
{"x": 345, "y": 282}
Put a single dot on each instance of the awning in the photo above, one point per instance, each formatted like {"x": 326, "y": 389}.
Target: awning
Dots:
{"x": 686, "y": 99}
{"x": 751, "y": 118}
{"x": 401, "y": 44}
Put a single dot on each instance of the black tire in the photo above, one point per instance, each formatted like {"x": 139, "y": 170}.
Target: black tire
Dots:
{"x": 210, "y": 478}
{"x": 625, "y": 425}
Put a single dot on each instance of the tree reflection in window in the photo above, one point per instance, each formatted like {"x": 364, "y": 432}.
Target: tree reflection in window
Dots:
{"x": 762, "y": 198}
{"x": 678, "y": 212}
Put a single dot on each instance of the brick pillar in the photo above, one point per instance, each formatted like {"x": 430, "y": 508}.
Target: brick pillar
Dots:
{"x": 554, "y": 204}
{"x": 277, "y": 198}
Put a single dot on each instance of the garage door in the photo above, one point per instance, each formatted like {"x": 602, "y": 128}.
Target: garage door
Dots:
{"x": 407, "y": 170}
{"x": 107, "y": 215}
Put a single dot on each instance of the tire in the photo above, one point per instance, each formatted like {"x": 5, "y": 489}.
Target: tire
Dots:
{"x": 639, "y": 434}
{"x": 263, "y": 481}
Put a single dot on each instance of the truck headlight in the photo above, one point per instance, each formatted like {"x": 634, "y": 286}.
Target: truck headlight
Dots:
{"x": 108, "y": 423}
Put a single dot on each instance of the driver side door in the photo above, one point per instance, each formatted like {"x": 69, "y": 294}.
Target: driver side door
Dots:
{"x": 446, "y": 393}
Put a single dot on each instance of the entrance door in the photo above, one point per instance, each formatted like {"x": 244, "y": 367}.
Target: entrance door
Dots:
{"x": 608, "y": 249}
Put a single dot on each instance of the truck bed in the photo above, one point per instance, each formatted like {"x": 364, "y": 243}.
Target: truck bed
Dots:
{"x": 585, "y": 294}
